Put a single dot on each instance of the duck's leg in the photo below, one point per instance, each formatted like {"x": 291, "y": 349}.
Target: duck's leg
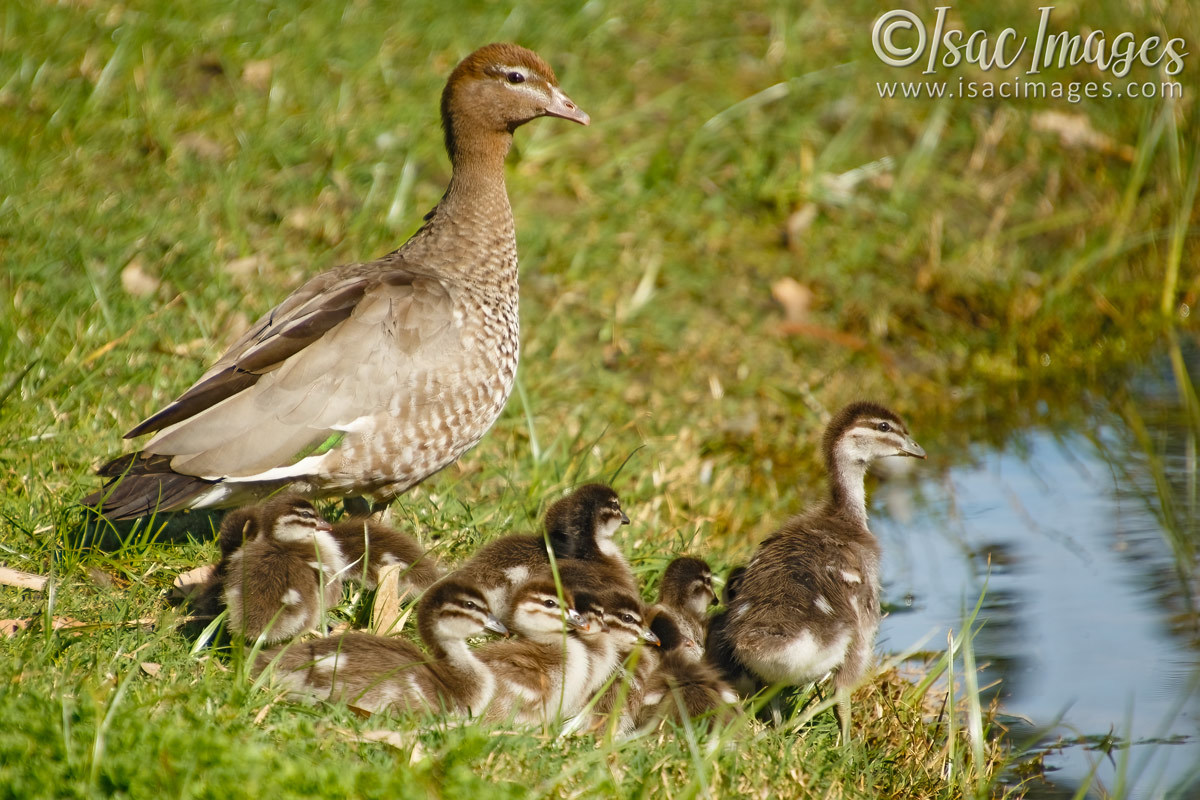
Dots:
{"x": 842, "y": 711}
{"x": 356, "y": 506}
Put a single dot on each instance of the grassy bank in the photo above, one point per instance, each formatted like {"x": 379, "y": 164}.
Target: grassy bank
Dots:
{"x": 747, "y": 237}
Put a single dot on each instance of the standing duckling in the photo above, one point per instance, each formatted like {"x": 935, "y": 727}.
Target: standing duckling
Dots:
{"x": 378, "y": 673}
{"x": 369, "y": 546}
{"x": 542, "y": 675}
{"x": 278, "y": 584}
{"x": 808, "y": 602}
{"x": 369, "y": 377}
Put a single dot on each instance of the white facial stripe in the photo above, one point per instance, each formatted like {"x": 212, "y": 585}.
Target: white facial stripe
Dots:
{"x": 526, "y": 72}
{"x": 528, "y": 89}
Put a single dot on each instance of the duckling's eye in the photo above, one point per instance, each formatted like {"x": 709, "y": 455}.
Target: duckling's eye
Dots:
{"x": 515, "y": 77}
{"x": 884, "y": 427}
{"x": 626, "y": 618}
{"x": 469, "y": 604}
{"x": 550, "y": 604}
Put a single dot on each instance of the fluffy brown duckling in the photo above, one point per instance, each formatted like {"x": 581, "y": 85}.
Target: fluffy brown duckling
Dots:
{"x": 372, "y": 376}
{"x": 378, "y": 673}
{"x": 370, "y": 546}
{"x": 586, "y": 526}
{"x": 686, "y": 592}
{"x": 623, "y": 629}
{"x": 278, "y": 584}
{"x": 542, "y": 675}
{"x": 682, "y": 684}
{"x": 808, "y": 602}
{"x": 573, "y": 524}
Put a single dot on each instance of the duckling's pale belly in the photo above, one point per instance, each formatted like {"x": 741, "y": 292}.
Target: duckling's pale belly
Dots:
{"x": 797, "y": 660}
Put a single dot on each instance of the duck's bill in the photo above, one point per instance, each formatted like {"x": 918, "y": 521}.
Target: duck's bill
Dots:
{"x": 495, "y": 626}
{"x": 911, "y": 448}
{"x": 576, "y": 620}
{"x": 563, "y": 107}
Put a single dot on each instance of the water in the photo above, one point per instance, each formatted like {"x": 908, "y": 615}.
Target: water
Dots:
{"x": 1086, "y": 541}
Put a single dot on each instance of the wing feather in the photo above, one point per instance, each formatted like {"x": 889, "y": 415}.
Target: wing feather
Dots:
{"x": 309, "y": 369}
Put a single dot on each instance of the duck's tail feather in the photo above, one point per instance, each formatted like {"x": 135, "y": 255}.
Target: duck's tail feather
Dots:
{"x": 139, "y": 484}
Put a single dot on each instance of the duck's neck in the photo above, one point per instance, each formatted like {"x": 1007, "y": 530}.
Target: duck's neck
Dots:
{"x": 847, "y": 485}
{"x": 461, "y": 668}
{"x": 477, "y": 197}
{"x": 575, "y": 677}
{"x": 604, "y": 660}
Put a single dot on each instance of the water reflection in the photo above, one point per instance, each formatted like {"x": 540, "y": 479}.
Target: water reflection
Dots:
{"x": 1086, "y": 542}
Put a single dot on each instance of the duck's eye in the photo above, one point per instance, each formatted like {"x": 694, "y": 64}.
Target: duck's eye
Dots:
{"x": 469, "y": 604}
{"x": 515, "y": 77}
{"x": 883, "y": 426}
{"x": 626, "y": 618}
{"x": 550, "y": 604}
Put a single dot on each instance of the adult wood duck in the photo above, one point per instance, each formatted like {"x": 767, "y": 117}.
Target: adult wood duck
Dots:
{"x": 280, "y": 583}
{"x": 808, "y": 601}
{"x": 378, "y": 673}
{"x": 370, "y": 377}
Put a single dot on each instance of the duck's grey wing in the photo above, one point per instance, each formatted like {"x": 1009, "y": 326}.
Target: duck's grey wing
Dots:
{"x": 340, "y": 350}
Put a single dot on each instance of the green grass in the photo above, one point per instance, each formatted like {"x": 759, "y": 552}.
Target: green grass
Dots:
{"x": 967, "y": 265}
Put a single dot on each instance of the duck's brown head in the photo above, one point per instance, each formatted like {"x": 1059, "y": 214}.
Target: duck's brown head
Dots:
{"x": 291, "y": 518}
{"x": 583, "y": 520}
{"x": 497, "y": 89}
{"x": 687, "y": 585}
{"x": 453, "y": 609}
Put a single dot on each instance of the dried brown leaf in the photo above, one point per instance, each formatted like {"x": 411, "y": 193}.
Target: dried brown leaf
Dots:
{"x": 1074, "y": 129}
{"x": 387, "y": 614}
{"x": 150, "y": 668}
{"x": 22, "y": 580}
{"x": 798, "y": 222}
{"x": 190, "y": 582}
{"x": 795, "y": 297}
{"x": 200, "y": 147}
{"x": 11, "y": 627}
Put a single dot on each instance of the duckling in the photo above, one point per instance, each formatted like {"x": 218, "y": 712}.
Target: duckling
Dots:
{"x": 808, "y": 602}
{"x": 368, "y": 546}
{"x": 369, "y": 377}
{"x": 573, "y": 524}
{"x": 586, "y": 526}
{"x": 542, "y": 675}
{"x": 378, "y": 673}
{"x": 686, "y": 593}
{"x": 682, "y": 683}
{"x": 718, "y": 646}
{"x": 237, "y": 526}
{"x": 278, "y": 584}
{"x": 623, "y": 629}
